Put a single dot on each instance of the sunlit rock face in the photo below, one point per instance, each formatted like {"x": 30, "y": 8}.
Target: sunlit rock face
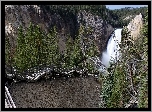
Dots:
{"x": 128, "y": 17}
{"x": 135, "y": 26}
{"x": 112, "y": 53}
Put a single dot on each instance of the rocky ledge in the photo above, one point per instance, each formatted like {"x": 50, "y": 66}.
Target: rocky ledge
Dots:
{"x": 78, "y": 92}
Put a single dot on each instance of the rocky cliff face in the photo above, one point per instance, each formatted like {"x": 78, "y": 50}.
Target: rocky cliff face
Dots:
{"x": 135, "y": 26}
{"x": 79, "y": 92}
{"x": 16, "y": 15}
{"x": 101, "y": 29}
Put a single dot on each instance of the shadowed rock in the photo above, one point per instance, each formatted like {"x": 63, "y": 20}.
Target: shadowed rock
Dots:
{"x": 79, "y": 92}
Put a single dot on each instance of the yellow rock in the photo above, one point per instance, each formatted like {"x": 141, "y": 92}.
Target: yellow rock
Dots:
{"x": 135, "y": 26}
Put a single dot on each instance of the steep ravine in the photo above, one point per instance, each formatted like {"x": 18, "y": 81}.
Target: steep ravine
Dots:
{"x": 16, "y": 15}
{"x": 78, "y": 92}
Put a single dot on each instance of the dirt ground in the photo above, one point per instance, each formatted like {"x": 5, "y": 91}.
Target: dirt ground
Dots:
{"x": 78, "y": 92}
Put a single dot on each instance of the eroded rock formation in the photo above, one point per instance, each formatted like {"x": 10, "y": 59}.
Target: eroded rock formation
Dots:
{"x": 16, "y": 15}
{"x": 74, "y": 92}
{"x": 135, "y": 26}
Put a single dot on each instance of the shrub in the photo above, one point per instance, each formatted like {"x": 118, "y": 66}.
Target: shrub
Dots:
{"x": 35, "y": 48}
{"x": 126, "y": 85}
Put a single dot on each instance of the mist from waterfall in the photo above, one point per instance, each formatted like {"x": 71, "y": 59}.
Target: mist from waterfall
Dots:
{"x": 112, "y": 53}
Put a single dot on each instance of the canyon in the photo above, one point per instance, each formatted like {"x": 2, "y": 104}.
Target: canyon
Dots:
{"x": 78, "y": 92}
{"x": 22, "y": 15}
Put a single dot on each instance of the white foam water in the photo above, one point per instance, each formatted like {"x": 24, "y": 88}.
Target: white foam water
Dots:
{"x": 112, "y": 53}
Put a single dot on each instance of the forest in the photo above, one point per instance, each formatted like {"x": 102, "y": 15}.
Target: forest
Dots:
{"x": 120, "y": 87}
{"x": 114, "y": 17}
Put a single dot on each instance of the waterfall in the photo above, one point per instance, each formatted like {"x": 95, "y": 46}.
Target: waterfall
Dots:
{"x": 112, "y": 54}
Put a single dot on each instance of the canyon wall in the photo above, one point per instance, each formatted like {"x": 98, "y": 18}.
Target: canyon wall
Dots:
{"x": 73, "y": 92}
{"x": 16, "y": 15}
{"x": 135, "y": 26}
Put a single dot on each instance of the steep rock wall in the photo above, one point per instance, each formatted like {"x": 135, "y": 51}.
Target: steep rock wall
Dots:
{"x": 16, "y": 15}
{"x": 83, "y": 92}
{"x": 101, "y": 29}
{"x": 135, "y": 26}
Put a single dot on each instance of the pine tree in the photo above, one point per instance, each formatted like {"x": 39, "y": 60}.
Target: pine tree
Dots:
{"x": 77, "y": 55}
{"x": 7, "y": 50}
{"x": 143, "y": 67}
{"x": 53, "y": 54}
{"x": 20, "y": 54}
{"x": 68, "y": 54}
{"x": 31, "y": 48}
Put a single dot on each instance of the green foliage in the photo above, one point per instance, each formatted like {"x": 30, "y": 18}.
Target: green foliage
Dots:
{"x": 7, "y": 50}
{"x": 113, "y": 17}
{"x": 78, "y": 50}
{"x": 143, "y": 72}
{"x": 127, "y": 80}
{"x": 21, "y": 51}
{"x": 54, "y": 55}
{"x": 35, "y": 48}
{"x": 117, "y": 16}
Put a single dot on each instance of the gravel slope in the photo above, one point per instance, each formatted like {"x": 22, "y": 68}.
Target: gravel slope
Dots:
{"x": 79, "y": 92}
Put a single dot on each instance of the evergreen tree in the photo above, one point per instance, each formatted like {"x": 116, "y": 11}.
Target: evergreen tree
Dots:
{"x": 143, "y": 67}
{"x": 31, "y": 48}
{"x": 53, "y": 54}
{"x": 7, "y": 50}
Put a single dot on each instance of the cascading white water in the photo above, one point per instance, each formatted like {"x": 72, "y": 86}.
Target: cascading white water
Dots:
{"x": 112, "y": 54}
